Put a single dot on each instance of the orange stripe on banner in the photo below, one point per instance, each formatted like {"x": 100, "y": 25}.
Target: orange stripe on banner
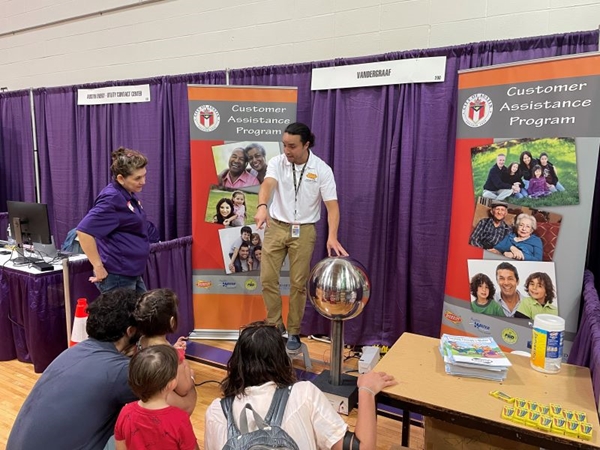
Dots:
{"x": 242, "y": 94}
{"x": 461, "y": 221}
{"x": 229, "y": 311}
{"x": 547, "y": 70}
{"x": 205, "y": 254}
{"x": 446, "y": 329}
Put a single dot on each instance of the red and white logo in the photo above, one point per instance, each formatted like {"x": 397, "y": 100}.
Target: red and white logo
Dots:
{"x": 203, "y": 284}
{"x": 207, "y": 118}
{"x": 477, "y": 110}
{"x": 454, "y": 318}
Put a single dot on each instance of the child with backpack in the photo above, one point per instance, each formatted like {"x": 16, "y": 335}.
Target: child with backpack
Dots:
{"x": 156, "y": 314}
{"x": 260, "y": 389}
{"x": 151, "y": 420}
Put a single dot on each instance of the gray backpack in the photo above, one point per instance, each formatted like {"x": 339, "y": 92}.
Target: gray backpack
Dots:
{"x": 269, "y": 434}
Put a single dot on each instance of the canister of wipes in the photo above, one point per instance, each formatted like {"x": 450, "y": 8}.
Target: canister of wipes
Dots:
{"x": 547, "y": 343}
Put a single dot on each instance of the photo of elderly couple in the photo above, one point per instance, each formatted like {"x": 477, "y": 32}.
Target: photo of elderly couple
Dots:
{"x": 515, "y": 232}
{"x": 240, "y": 168}
{"x": 530, "y": 172}
{"x": 512, "y": 289}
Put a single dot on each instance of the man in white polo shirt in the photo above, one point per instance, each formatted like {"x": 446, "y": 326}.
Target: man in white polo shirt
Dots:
{"x": 297, "y": 180}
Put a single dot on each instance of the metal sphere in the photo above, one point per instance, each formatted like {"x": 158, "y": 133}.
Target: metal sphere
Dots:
{"x": 339, "y": 287}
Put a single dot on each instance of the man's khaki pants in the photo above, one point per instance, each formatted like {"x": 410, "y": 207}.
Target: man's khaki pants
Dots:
{"x": 277, "y": 244}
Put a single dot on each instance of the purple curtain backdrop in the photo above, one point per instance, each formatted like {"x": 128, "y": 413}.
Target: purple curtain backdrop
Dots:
{"x": 16, "y": 148}
{"x": 170, "y": 266}
{"x": 392, "y": 149}
{"x": 593, "y": 256}
{"x": 76, "y": 142}
{"x": 586, "y": 347}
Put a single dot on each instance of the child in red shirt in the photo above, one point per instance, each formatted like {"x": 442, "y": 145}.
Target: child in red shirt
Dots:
{"x": 151, "y": 423}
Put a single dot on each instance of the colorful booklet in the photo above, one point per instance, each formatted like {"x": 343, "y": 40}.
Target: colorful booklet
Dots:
{"x": 478, "y": 357}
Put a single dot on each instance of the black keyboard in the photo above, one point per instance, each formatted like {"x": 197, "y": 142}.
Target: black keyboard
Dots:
{"x": 27, "y": 260}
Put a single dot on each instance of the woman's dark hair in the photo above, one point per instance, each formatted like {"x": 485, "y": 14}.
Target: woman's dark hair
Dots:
{"x": 545, "y": 281}
{"x": 154, "y": 311}
{"x": 111, "y": 314}
{"x": 478, "y": 280}
{"x": 218, "y": 216}
{"x": 126, "y": 161}
{"x": 151, "y": 369}
{"x": 528, "y": 153}
{"x": 518, "y": 172}
{"x": 258, "y": 357}
{"x": 544, "y": 154}
{"x": 303, "y": 131}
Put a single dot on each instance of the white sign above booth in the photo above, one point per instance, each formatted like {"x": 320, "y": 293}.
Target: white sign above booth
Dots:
{"x": 417, "y": 70}
{"x": 114, "y": 94}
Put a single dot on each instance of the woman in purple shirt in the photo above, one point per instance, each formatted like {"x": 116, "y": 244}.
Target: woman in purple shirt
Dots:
{"x": 115, "y": 234}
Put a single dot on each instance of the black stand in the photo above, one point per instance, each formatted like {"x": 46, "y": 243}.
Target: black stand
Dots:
{"x": 342, "y": 397}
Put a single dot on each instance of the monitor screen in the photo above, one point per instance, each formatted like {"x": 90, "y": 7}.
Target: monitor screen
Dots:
{"x": 29, "y": 222}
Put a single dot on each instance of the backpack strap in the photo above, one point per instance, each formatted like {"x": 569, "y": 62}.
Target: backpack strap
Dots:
{"x": 274, "y": 414}
{"x": 350, "y": 442}
{"x": 226, "y": 405}
{"x": 280, "y": 398}
{"x": 260, "y": 422}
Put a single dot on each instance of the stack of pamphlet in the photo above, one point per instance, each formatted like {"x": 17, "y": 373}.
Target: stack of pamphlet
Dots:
{"x": 476, "y": 357}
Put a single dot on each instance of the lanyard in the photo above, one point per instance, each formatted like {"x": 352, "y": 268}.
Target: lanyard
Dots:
{"x": 297, "y": 184}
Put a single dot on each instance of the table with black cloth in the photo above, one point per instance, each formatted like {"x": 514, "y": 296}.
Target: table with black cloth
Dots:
{"x": 32, "y": 304}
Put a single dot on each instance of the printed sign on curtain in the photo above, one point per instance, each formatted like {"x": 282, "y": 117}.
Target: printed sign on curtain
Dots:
{"x": 234, "y": 132}
{"x": 524, "y": 177}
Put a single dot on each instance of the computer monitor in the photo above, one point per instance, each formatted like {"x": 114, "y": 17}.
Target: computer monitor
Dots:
{"x": 29, "y": 225}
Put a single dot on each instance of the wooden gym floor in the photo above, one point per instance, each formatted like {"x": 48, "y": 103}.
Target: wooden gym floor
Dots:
{"x": 17, "y": 379}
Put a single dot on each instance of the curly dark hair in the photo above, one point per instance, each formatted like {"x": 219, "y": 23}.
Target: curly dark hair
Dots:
{"x": 258, "y": 357}
{"x": 151, "y": 369}
{"x": 478, "y": 280}
{"x": 545, "y": 281}
{"x": 126, "y": 161}
{"x": 154, "y": 311}
{"x": 111, "y": 314}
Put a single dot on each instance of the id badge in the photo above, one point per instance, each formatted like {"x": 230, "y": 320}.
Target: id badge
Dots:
{"x": 295, "y": 230}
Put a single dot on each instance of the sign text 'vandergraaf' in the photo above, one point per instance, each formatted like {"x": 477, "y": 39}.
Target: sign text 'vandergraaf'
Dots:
{"x": 418, "y": 70}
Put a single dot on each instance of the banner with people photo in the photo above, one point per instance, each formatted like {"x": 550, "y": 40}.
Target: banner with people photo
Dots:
{"x": 527, "y": 147}
{"x": 234, "y": 132}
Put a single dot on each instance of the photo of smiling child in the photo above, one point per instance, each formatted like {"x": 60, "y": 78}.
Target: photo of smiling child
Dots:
{"x": 239, "y": 208}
